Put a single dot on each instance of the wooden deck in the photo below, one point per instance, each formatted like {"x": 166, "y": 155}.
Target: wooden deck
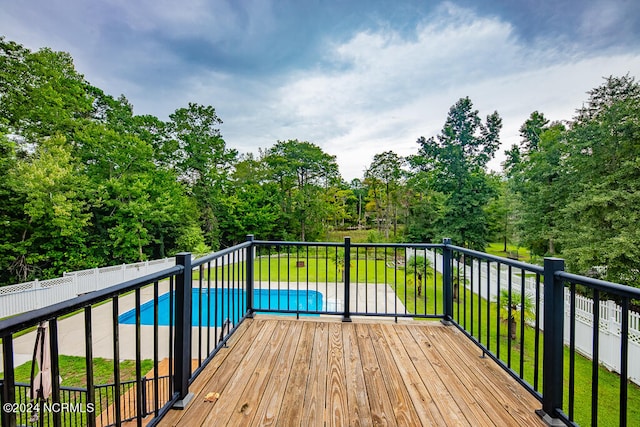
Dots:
{"x": 313, "y": 372}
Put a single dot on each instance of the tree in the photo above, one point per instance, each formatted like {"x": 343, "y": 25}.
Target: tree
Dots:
{"x": 531, "y": 131}
{"x": 383, "y": 178}
{"x": 511, "y": 305}
{"x": 11, "y": 212}
{"x": 41, "y": 93}
{"x": 426, "y": 208}
{"x": 302, "y": 170}
{"x": 89, "y": 183}
{"x": 250, "y": 205}
{"x": 457, "y": 160}
{"x": 56, "y": 213}
{"x": 201, "y": 160}
{"x": 502, "y": 214}
{"x": 359, "y": 193}
{"x": 601, "y": 216}
{"x": 339, "y": 198}
{"x": 419, "y": 266}
{"x": 139, "y": 208}
{"x": 537, "y": 178}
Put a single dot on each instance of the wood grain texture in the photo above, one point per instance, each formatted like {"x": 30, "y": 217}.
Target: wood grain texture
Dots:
{"x": 319, "y": 372}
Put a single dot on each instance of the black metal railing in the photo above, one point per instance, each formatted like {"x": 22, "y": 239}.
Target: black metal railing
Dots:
{"x": 598, "y": 290}
{"x": 192, "y": 309}
{"x": 504, "y": 307}
{"x": 164, "y": 331}
{"x": 73, "y": 403}
{"x": 497, "y": 302}
{"x": 347, "y": 279}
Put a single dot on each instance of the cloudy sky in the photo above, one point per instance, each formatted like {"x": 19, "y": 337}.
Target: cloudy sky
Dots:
{"x": 356, "y": 77}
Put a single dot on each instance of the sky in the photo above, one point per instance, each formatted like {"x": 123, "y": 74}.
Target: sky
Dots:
{"x": 355, "y": 77}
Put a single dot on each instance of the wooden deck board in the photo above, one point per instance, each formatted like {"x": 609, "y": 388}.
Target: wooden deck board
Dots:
{"x": 426, "y": 409}
{"x": 336, "y": 402}
{"x": 379, "y": 402}
{"x": 314, "y": 398}
{"x": 356, "y": 391}
{"x": 421, "y": 352}
{"x": 296, "y": 386}
{"x": 399, "y": 397}
{"x": 269, "y": 408}
{"x": 482, "y": 381}
{"x": 304, "y": 372}
{"x": 231, "y": 392}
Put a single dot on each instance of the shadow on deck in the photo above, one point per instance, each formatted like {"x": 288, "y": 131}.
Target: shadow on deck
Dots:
{"x": 324, "y": 372}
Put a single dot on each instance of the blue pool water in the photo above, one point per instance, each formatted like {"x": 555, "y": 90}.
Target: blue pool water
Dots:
{"x": 227, "y": 304}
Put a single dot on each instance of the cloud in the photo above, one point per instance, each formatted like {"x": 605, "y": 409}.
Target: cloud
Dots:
{"x": 357, "y": 78}
{"x": 602, "y": 21}
{"x": 388, "y": 88}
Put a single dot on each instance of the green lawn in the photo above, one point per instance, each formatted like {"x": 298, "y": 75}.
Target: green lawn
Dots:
{"x": 609, "y": 382}
{"x": 357, "y": 236}
{"x": 497, "y": 249}
{"x": 73, "y": 373}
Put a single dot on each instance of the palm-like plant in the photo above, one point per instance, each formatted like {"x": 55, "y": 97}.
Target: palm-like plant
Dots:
{"x": 419, "y": 266}
{"x": 509, "y": 309}
{"x": 458, "y": 281}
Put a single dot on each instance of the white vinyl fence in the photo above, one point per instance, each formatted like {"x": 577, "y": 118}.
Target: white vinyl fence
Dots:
{"x": 486, "y": 285}
{"x": 15, "y": 299}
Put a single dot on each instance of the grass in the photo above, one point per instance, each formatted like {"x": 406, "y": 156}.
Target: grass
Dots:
{"x": 609, "y": 382}
{"x": 73, "y": 373}
{"x": 497, "y": 249}
{"x": 364, "y": 235}
{"x": 357, "y": 236}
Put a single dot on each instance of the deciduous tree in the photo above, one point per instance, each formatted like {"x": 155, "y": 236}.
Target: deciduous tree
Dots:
{"x": 457, "y": 160}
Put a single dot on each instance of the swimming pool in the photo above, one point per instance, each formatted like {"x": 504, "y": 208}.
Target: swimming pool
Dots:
{"x": 227, "y": 304}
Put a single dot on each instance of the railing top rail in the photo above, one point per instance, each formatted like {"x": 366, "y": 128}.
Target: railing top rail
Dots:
{"x": 287, "y": 243}
{"x": 353, "y": 245}
{"x": 203, "y": 260}
{"x": 601, "y": 285}
{"x": 506, "y": 261}
{"x": 33, "y": 318}
{"x": 398, "y": 245}
{"x": 67, "y": 387}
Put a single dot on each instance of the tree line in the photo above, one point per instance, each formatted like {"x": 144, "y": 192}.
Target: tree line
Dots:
{"x": 86, "y": 182}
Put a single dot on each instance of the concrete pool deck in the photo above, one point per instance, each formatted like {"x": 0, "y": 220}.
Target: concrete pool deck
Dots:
{"x": 71, "y": 333}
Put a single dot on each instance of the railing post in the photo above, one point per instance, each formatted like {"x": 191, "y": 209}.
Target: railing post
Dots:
{"x": 144, "y": 397}
{"x": 347, "y": 279}
{"x": 182, "y": 341}
{"x": 447, "y": 281}
{"x": 8, "y": 383}
{"x": 553, "y": 352}
{"x": 250, "y": 278}
{"x": 55, "y": 368}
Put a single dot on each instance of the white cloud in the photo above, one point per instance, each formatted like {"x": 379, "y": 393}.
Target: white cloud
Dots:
{"x": 377, "y": 90}
{"x": 212, "y": 21}
{"x": 391, "y": 89}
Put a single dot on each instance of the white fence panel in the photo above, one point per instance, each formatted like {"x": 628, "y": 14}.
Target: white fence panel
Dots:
{"x": 610, "y": 341}
{"x": 15, "y": 299}
{"x": 18, "y": 297}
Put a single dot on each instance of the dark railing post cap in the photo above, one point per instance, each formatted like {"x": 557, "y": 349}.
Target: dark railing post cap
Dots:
{"x": 446, "y": 241}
